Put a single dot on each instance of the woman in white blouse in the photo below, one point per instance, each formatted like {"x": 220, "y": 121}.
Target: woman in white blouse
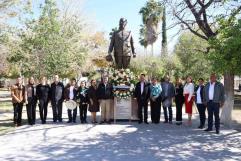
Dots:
{"x": 188, "y": 94}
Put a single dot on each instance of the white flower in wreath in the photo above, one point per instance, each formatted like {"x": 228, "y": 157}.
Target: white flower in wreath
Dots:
{"x": 120, "y": 75}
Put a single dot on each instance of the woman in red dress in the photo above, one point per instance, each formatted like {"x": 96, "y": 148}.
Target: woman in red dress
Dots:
{"x": 188, "y": 94}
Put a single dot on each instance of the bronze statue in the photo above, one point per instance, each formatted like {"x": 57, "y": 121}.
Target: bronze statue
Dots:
{"x": 122, "y": 43}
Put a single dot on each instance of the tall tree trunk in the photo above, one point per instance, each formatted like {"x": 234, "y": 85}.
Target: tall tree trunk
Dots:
{"x": 164, "y": 34}
{"x": 226, "y": 115}
{"x": 145, "y": 51}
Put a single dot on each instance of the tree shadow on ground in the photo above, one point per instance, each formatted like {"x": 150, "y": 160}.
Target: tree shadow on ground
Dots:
{"x": 134, "y": 142}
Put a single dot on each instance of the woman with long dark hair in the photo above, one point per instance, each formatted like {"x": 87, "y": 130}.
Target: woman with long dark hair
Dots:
{"x": 188, "y": 94}
{"x": 155, "y": 101}
{"x": 31, "y": 100}
{"x": 43, "y": 95}
{"x": 94, "y": 105}
{"x": 83, "y": 105}
{"x": 179, "y": 100}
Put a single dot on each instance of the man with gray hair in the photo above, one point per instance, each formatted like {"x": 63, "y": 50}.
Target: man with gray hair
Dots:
{"x": 214, "y": 99}
{"x": 105, "y": 94}
{"x": 168, "y": 93}
{"x": 57, "y": 98}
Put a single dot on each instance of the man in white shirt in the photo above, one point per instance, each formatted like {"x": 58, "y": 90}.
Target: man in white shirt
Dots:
{"x": 214, "y": 99}
{"x": 70, "y": 93}
{"x": 199, "y": 102}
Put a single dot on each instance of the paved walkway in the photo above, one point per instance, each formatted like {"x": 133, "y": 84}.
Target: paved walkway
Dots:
{"x": 121, "y": 142}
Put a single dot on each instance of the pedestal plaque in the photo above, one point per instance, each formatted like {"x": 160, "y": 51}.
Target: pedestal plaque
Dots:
{"x": 134, "y": 109}
{"x": 122, "y": 109}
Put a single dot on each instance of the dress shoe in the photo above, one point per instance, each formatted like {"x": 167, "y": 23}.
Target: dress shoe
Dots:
{"x": 69, "y": 121}
{"x": 101, "y": 122}
{"x": 178, "y": 123}
{"x": 146, "y": 122}
{"x": 208, "y": 130}
{"x": 74, "y": 121}
{"x": 140, "y": 122}
{"x": 217, "y": 131}
{"x": 200, "y": 127}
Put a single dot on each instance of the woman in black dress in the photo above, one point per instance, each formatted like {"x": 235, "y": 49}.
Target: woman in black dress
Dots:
{"x": 94, "y": 105}
{"x": 43, "y": 95}
{"x": 179, "y": 100}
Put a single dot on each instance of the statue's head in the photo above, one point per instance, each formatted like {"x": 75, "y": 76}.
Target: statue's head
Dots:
{"x": 122, "y": 23}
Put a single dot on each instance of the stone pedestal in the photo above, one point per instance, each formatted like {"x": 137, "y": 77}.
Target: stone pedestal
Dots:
{"x": 134, "y": 109}
{"x": 122, "y": 109}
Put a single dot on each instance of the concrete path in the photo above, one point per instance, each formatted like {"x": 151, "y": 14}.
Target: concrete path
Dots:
{"x": 123, "y": 141}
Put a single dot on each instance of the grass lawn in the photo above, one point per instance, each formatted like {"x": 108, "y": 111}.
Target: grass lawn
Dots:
{"x": 6, "y": 123}
{"x": 6, "y": 107}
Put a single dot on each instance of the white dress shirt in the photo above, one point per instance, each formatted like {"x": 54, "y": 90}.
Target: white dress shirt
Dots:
{"x": 199, "y": 99}
{"x": 71, "y": 92}
{"x": 142, "y": 87}
{"x": 189, "y": 89}
{"x": 211, "y": 91}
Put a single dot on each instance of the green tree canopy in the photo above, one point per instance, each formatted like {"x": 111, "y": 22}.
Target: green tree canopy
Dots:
{"x": 51, "y": 44}
{"x": 190, "y": 52}
{"x": 226, "y": 53}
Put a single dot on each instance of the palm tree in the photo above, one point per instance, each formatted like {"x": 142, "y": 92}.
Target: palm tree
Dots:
{"x": 164, "y": 34}
{"x": 151, "y": 17}
{"x": 142, "y": 38}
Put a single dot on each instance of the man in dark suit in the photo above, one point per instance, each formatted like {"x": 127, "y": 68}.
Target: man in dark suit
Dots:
{"x": 214, "y": 99}
{"x": 168, "y": 93}
{"x": 142, "y": 94}
{"x": 105, "y": 95}
{"x": 199, "y": 99}
{"x": 57, "y": 98}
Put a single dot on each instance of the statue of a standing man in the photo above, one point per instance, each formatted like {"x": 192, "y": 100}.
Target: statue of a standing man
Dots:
{"x": 122, "y": 43}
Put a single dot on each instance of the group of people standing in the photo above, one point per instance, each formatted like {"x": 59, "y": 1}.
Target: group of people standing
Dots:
{"x": 41, "y": 94}
{"x": 209, "y": 96}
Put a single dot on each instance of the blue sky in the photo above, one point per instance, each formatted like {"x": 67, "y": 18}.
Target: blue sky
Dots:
{"x": 108, "y": 12}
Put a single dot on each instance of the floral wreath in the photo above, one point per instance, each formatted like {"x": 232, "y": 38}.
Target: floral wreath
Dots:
{"x": 122, "y": 77}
